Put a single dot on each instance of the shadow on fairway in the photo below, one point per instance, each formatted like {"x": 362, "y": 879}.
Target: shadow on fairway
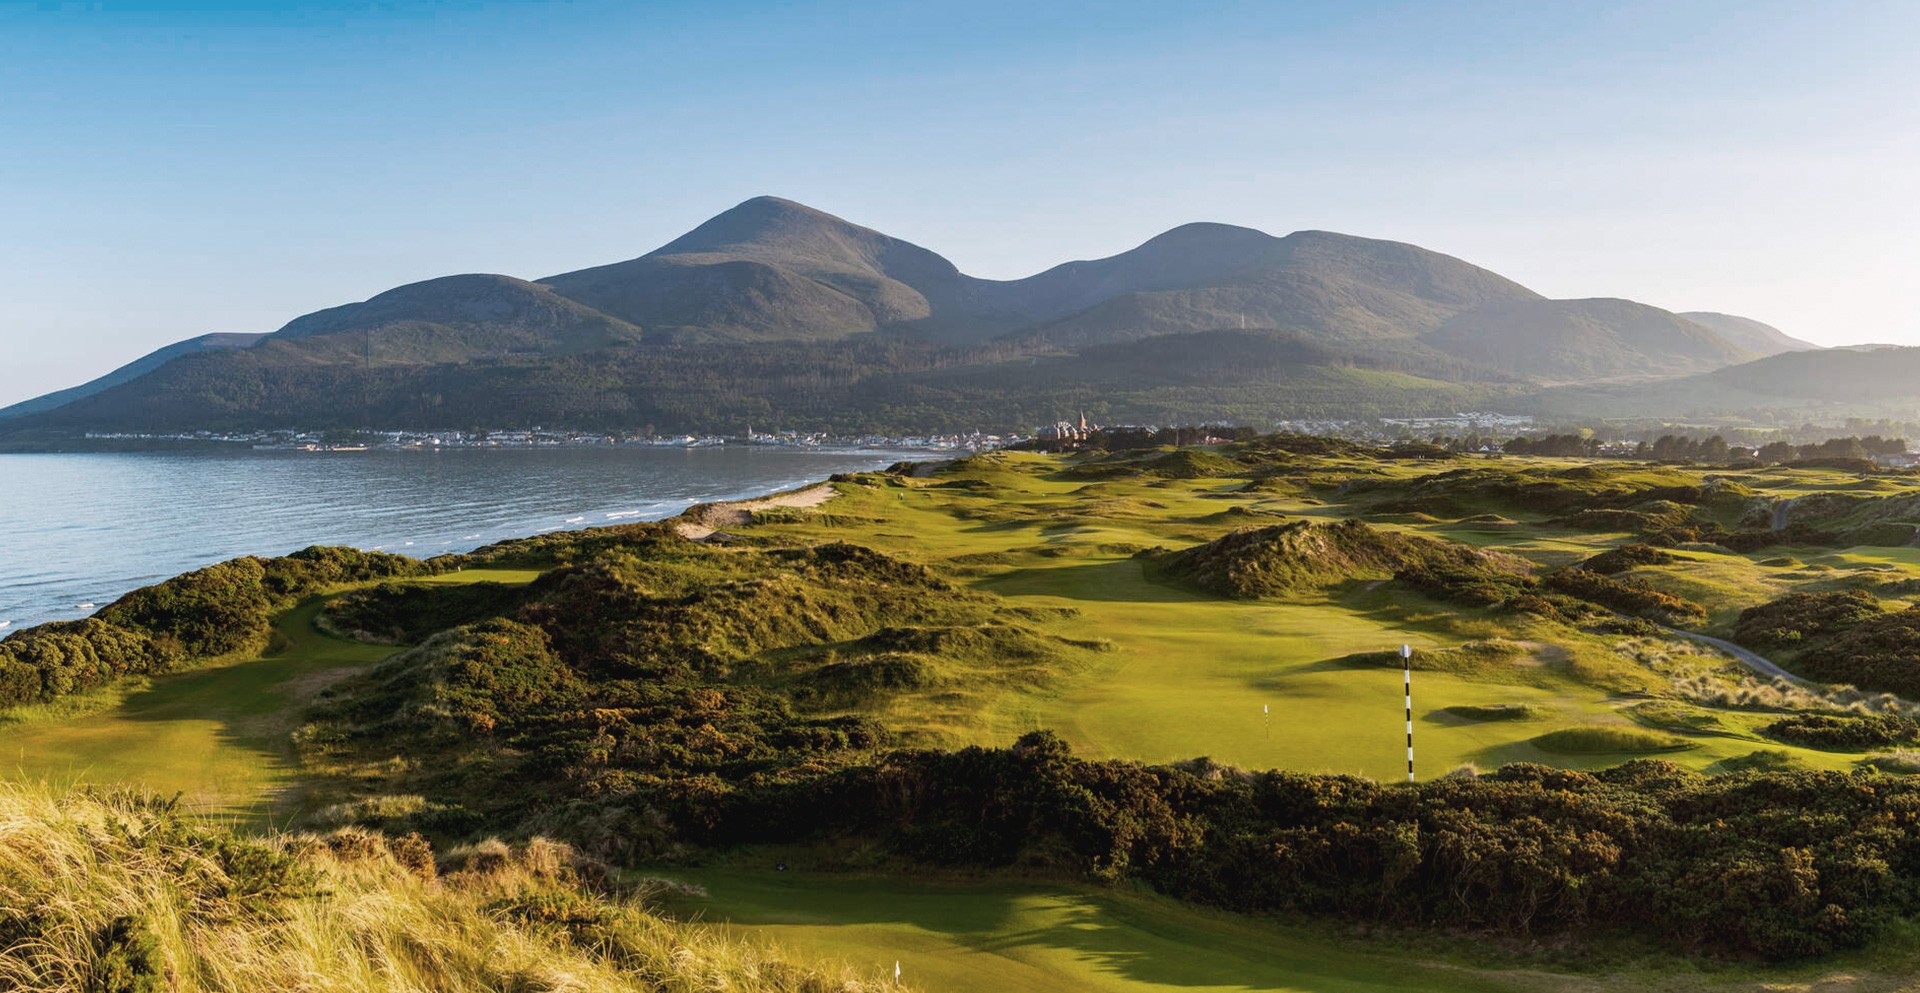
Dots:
{"x": 1114, "y": 580}
{"x": 1034, "y": 937}
{"x": 217, "y": 736}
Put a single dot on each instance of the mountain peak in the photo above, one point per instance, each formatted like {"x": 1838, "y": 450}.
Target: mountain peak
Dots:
{"x": 766, "y": 222}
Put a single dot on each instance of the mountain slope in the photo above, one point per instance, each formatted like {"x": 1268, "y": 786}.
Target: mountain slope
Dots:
{"x": 1574, "y": 340}
{"x": 452, "y": 319}
{"x": 771, "y": 268}
{"x": 1207, "y": 276}
{"x": 129, "y": 372}
{"x": 839, "y": 304}
{"x": 1841, "y": 381}
{"x": 1747, "y": 333}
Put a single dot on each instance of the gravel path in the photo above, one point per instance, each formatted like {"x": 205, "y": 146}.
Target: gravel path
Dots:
{"x": 1752, "y": 660}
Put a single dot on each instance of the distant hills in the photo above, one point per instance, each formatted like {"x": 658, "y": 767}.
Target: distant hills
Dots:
{"x": 1838, "y": 381}
{"x": 776, "y": 314}
{"x": 1747, "y": 333}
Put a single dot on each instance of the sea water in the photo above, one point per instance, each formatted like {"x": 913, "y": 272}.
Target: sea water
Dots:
{"x": 77, "y": 531}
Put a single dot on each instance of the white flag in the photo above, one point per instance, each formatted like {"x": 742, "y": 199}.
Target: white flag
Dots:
{"x": 896, "y": 970}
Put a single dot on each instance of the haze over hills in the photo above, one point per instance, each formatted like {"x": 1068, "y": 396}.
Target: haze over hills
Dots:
{"x": 1747, "y": 333}
{"x": 779, "y": 314}
{"x": 1841, "y": 381}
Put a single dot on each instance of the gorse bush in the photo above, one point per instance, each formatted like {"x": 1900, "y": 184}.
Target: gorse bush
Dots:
{"x": 1626, "y": 596}
{"x": 1841, "y": 637}
{"x": 1629, "y": 556}
{"x": 1792, "y": 620}
{"x": 1844, "y": 733}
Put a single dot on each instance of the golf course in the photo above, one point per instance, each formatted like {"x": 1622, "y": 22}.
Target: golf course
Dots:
{"x": 676, "y": 709}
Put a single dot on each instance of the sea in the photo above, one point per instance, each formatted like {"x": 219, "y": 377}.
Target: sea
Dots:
{"x": 79, "y": 530}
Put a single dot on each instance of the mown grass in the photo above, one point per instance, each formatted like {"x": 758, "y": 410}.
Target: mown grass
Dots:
{"x": 963, "y": 936}
{"x": 216, "y": 736}
{"x": 958, "y": 937}
{"x": 1190, "y": 673}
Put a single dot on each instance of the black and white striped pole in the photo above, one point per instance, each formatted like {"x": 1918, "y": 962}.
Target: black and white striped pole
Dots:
{"x": 1406, "y": 662}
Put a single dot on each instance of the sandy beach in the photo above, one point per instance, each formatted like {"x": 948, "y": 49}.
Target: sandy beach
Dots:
{"x": 699, "y": 523}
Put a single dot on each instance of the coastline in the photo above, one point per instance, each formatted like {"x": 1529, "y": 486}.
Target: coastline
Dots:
{"x": 69, "y": 548}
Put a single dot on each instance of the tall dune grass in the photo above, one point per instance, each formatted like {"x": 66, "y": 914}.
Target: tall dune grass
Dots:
{"x": 118, "y": 894}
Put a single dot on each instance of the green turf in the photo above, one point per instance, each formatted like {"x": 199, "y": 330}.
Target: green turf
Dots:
{"x": 962, "y": 938}
{"x": 1260, "y": 684}
{"x": 217, "y": 736}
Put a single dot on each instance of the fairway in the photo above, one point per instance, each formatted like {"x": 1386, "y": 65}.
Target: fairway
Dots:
{"x": 1262, "y": 684}
{"x": 961, "y": 938}
{"x": 217, "y": 736}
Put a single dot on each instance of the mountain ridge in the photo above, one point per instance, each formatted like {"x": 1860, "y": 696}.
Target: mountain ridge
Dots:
{"x": 777, "y": 276}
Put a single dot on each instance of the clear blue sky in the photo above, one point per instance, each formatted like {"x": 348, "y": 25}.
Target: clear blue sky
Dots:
{"x": 168, "y": 169}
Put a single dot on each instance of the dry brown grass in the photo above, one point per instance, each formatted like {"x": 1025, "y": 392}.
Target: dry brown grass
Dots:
{"x": 118, "y": 894}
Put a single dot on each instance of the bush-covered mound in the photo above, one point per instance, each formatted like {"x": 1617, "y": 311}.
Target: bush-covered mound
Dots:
{"x": 1273, "y": 561}
{"x": 1841, "y": 637}
{"x": 221, "y": 610}
{"x": 1882, "y": 653}
{"x": 1796, "y": 619}
{"x": 1627, "y": 596}
{"x": 1851, "y": 734}
{"x": 1629, "y": 556}
{"x": 114, "y": 894}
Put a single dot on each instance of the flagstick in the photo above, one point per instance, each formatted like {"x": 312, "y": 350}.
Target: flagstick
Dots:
{"x": 1406, "y": 660}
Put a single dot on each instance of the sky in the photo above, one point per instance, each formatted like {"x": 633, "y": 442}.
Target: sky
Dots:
{"x": 170, "y": 169}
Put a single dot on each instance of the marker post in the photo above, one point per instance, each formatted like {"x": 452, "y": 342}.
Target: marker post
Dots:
{"x": 1406, "y": 662}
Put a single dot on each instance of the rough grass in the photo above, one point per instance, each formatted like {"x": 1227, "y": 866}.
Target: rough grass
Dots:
{"x": 1276, "y": 561}
{"x": 116, "y": 894}
{"x": 1605, "y": 739}
{"x": 1497, "y": 712}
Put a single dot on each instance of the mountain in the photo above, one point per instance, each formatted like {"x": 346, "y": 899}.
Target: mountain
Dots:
{"x": 774, "y": 269}
{"x": 774, "y": 312}
{"x": 1196, "y": 277}
{"x": 129, "y": 372}
{"x": 1841, "y": 374}
{"x": 1581, "y": 340}
{"x": 454, "y": 319}
{"x": 1838, "y": 381}
{"x": 1747, "y": 333}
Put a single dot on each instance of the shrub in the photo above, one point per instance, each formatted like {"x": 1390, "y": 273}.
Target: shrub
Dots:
{"x": 1627, "y": 557}
{"x": 1629, "y": 597}
{"x": 1844, "y": 733}
{"x": 1794, "y": 619}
